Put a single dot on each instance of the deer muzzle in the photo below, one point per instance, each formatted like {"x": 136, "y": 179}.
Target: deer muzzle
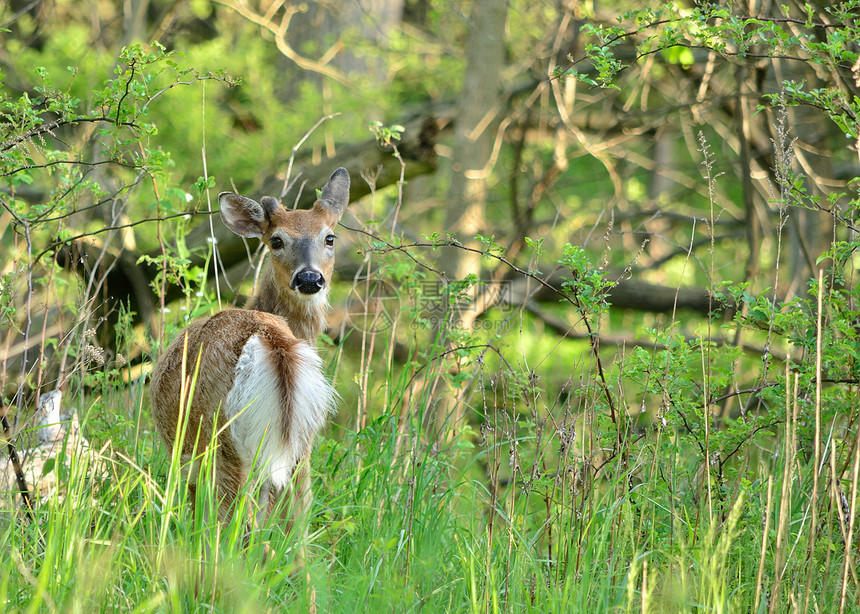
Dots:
{"x": 308, "y": 282}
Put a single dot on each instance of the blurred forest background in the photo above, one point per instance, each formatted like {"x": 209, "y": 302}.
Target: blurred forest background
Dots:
{"x": 595, "y": 323}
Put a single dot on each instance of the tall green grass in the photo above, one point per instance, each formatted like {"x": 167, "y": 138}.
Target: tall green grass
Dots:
{"x": 495, "y": 470}
{"x": 399, "y": 525}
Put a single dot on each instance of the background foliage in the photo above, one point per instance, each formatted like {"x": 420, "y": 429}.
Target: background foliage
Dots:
{"x": 596, "y": 329}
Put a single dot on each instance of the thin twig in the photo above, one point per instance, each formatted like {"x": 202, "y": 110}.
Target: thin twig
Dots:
{"x": 572, "y": 298}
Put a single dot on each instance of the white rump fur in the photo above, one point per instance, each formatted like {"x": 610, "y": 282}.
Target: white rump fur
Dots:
{"x": 255, "y": 405}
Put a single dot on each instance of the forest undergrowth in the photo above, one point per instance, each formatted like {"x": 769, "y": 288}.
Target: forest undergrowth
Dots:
{"x": 681, "y": 476}
{"x": 489, "y": 454}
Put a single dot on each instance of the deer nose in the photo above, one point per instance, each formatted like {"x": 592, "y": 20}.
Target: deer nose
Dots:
{"x": 308, "y": 282}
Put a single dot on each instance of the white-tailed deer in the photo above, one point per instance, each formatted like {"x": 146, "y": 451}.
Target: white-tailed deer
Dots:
{"x": 260, "y": 387}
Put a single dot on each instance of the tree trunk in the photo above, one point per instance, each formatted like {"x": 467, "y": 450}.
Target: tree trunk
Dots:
{"x": 328, "y": 22}
{"x": 472, "y": 162}
{"x": 475, "y": 133}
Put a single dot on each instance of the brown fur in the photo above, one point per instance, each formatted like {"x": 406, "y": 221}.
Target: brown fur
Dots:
{"x": 280, "y": 317}
{"x": 218, "y": 341}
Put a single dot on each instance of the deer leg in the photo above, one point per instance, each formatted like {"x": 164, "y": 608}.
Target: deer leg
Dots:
{"x": 295, "y": 513}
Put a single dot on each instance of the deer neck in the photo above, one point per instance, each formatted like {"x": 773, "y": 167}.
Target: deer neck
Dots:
{"x": 305, "y": 315}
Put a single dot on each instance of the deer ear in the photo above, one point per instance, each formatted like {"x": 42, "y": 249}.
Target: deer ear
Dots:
{"x": 242, "y": 215}
{"x": 335, "y": 194}
{"x": 270, "y": 205}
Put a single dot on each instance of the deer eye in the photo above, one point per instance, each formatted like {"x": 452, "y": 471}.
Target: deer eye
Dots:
{"x": 276, "y": 243}
{"x": 329, "y": 240}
